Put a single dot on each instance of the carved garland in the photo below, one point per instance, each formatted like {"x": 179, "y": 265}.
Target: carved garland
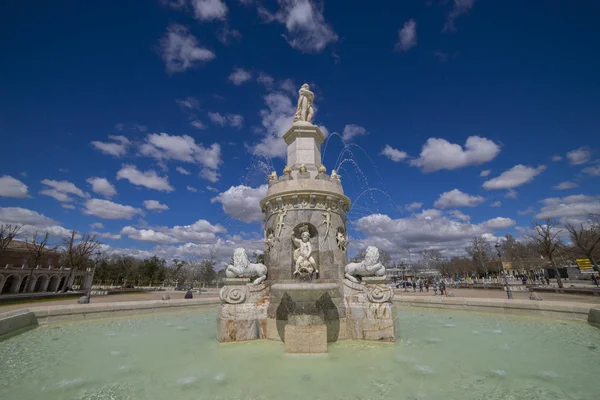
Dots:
{"x": 279, "y": 204}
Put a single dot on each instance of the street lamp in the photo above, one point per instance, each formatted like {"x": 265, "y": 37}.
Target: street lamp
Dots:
{"x": 508, "y": 291}
{"x": 89, "y": 293}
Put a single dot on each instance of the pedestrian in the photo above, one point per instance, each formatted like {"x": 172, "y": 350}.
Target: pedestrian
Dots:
{"x": 420, "y": 285}
{"x": 414, "y": 285}
{"x": 435, "y": 287}
{"x": 427, "y": 285}
{"x": 404, "y": 285}
{"x": 594, "y": 280}
{"x": 443, "y": 287}
{"x": 547, "y": 281}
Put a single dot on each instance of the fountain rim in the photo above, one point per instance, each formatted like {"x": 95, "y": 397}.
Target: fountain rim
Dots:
{"x": 306, "y": 192}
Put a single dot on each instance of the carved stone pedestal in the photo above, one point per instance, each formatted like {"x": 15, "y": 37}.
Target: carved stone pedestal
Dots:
{"x": 305, "y": 339}
{"x": 369, "y": 310}
{"x": 243, "y": 314}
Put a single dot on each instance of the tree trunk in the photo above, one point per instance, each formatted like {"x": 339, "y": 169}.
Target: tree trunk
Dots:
{"x": 558, "y": 278}
{"x": 594, "y": 263}
{"x": 64, "y": 288}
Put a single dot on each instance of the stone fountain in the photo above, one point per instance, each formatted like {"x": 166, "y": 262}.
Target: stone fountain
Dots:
{"x": 307, "y": 294}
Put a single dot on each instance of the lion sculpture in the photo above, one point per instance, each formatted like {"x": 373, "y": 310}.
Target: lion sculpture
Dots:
{"x": 370, "y": 266}
{"x": 243, "y": 268}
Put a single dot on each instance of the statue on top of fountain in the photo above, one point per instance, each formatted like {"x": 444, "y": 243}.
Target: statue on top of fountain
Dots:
{"x": 305, "y": 263}
{"x": 305, "y": 111}
{"x": 370, "y": 266}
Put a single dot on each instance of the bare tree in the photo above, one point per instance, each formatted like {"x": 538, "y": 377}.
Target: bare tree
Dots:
{"x": 480, "y": 251}
{"x": 37, "y": 249}
{"x": 77, "y": 251}
{"x": 546, "y": 242}
{"x": 8, "y": 233}
{"x": 586, "y": 240}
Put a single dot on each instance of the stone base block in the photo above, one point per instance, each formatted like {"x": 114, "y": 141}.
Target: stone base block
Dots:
{"x": 305, "y": 339}
{"x": 371, "y": 321}
{"x": 229, "y": 330}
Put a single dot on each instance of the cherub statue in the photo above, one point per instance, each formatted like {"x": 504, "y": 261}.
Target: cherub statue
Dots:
{"x": 272, "y": 176}
{"x": 302, "y": 168}
{"x": 341, "y": 240}
{"x": 270, "y": 241}
{"x": 243, "y": 268}
{"x": 335, "y": 175}
{"x": 305, "y": 263}
{"x": 370, "y": 266}
{"x": 305, "y": 111}
{"x": 281, "y": 221}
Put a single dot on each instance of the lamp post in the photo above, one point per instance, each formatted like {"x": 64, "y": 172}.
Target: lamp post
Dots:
{"x": 89, "y": 293}
{"x": 508, "y": 291}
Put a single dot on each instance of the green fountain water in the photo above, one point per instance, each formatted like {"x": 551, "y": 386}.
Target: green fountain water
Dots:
{"x": 440, "y": 355}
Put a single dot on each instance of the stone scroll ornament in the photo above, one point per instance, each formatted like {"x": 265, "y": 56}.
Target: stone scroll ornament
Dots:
{"x": 243, "y": 268}
{"x": 370, "y": 266}
{"x": 234, "y": 294}
{"x": 379, "y": 293}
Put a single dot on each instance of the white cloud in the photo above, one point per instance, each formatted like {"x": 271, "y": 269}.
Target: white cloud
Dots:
{"x": 459, "y": 215}
{"x": 455, "y": 198}
{"x": 106, "y": 209}
{"x": 499, "y": 223}
{"x": 212, "y": 189}
{"x": 200, "y": 231}
{"x": 132, "y": 127}
{"x": 239, "y": 76}
{"x": 182, "y": 171}
{"x": 429, "y": 229}
{"x": 565, "y": 185}
{"x": 514, "y": 177}
{"x": 102, "y": 186}
{"x": 242, "y": 202}
{"x": 265, "y": 79}
{"x": 61, "y": 190}
{"x": 570, "y": 206}
{"x": 496, "y": 204}
{"x": 188, "y": 103}
{"x": 438, "y": 154}
{"x": 234, "y": 120}
{"x": 154, "y": 205}
{"x": 289, "y": 87}
{"x": 163, "y": 146}
{"x": 579, "y": 156}
{"x": 97, "y": 225}
{"x": 191, "y": 189}
{"x": 11, "y": 187}
{"x": 414, "y": 206}
{"x": 485, "y": 172}
{"x": 209, "y": 175}
{"x": 181, "y": 50}
{"x": 407, "y": 36}
{"x": 306, "y": 27}
{"x": 31, "y": 221}
{"x": 149, "y": 179}
{"x": 351, "y": 131}
{"x": 209, "y": 10}
{"x": 593, "y": 171}
{"x": 67, "y": 206}
{"x": 393, "y": 154}
{"x": 118, "y": 147}
{"x": 528, "y": 210}
{"x": 198, "y": 124}
{"x": 556, "y": 158}
{"x": 460, "y": 7}
{"x": 276, "y": 120}
{"x": 106, "y": 235}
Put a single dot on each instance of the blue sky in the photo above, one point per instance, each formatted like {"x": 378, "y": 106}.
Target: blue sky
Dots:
{"x": 154, "y": 123}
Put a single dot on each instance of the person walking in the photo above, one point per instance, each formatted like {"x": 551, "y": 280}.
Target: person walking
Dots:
{"x": 594, "y": 280}
{"x": 420, "y": 285}
{"x": 435, "y": 287}
{"x": 427, "y": 285}
{"x": 443, "y": 288}
{"x": 414, "y": 285}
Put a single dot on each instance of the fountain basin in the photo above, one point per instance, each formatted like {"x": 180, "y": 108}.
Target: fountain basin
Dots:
{"x": 174, "y": 356}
